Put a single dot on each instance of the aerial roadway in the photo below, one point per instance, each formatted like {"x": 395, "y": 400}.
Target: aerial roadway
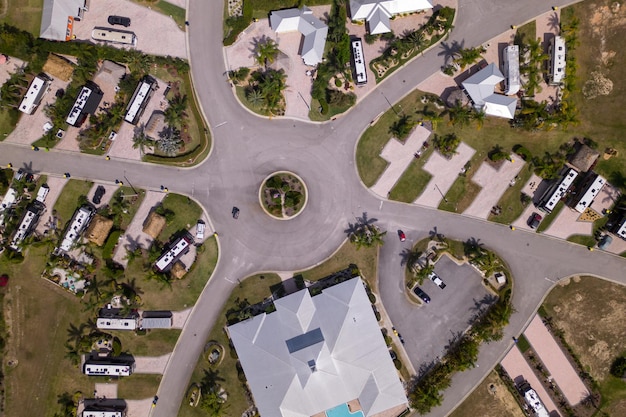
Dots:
{"x": 246, "y": 148}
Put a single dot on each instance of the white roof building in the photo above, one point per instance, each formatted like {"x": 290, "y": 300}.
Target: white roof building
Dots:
{"x": 313, "y": 30}
{"x": 480, "y": 88}
{"x": 557, "y": 60}
{"x": 58, "y": 18}
{"x": 377, "y": 13}
{"x": 316, "y": 353}
{"x": 590, "y": 193}
{"x": 510, "y": 69}
{"x": 79, "y": 223}
{"x": 37, "y": 89}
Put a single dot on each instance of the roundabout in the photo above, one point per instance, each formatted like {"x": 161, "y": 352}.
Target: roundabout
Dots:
{"x": 283, "y": 195}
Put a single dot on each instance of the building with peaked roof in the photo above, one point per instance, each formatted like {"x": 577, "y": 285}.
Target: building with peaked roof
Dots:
{"x": 584, "y": 159}
{"x": 156, "y": 319}
{"x": 480, "y": 89}
{"x": 377, "y": 13}
{"x": 317, "y": 353}
{"x": 313, "y": 31}
{"x": 58, "y": 17}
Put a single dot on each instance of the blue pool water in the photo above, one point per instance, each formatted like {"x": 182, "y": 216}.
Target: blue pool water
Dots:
{"x": 342, "y": 411}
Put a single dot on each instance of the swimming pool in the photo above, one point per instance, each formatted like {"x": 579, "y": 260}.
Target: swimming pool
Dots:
{"x": 343, "y": 411}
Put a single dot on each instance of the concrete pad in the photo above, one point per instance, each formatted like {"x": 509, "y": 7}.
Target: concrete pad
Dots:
{"x": 30, "y": 126}
{"x": 179, "y": 318}
{"x": 606, "y": 198}
{"x": 110, "y": 189}
{"x": 519, "y": 370}
{"x": 399, "y": 156}
{"x": 566, "y": 224}
{"x": 134, "y": 236}
{"x": 555, "y": 361}
{"x": 547, "y": 26}
{"x": 9, "y": 68}
{"x": 494, "y": 183}
{"x": 444, "y": 172}
{"x": 437, "y": 83}
{"x": 618, "y": 246}
{"x": 169, "y": 39}
{"x": 105, "y": 390}
{"x": 151, "y": 364}
{"x": 531, "y": 188}
{"x": 179, "y": 3}
{"x": 56, "y": 185}
{"x": 70, "y": 142}
{"x": 139, "y": 408}
{"x": 122, "y": 146}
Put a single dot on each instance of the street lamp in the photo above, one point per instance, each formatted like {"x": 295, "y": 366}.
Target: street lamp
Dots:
{"x": 444, "y": 197}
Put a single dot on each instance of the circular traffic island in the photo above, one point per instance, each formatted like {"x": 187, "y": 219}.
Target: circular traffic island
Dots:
{"x": 283, "y": 195}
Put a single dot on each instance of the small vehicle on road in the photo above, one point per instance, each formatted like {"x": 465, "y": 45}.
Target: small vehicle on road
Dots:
{"x": 97, "y": 197}
{"x": 200, "y": 227}
{"x": 534, "y": 220}
{"x": 421, "y": 294}
{"x": 235, "y": 213}
{"x": 155, "y": 400}
{"x": 401, "y": 236}
{"x": 401, "y": 338}
{"x": 119, "y": 20}
{"x": 435, "y": 278}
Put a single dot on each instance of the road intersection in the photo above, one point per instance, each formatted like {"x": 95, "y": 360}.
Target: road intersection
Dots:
{"x": 246, "y": 148}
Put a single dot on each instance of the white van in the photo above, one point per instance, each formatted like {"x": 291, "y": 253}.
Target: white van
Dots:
{"x": 200, "y": 227}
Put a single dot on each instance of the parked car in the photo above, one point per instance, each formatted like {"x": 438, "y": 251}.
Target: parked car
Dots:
{"x": 97, "y": 197}
{"x": 401, "y": 338}
{"x": 534, "y": 220}
{"x": 119, "y": 20}
{"x": 393, "y": 354}
{"x": 435, "y": 278}
{"x": 421, "y": 294}
{"x": 235, "y": 213}
{"x": 401, "y": 235}
{"x": 19, "y": 174}
{"x": 200, "y": 227}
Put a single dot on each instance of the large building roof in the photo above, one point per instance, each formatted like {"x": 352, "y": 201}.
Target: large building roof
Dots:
{"x": 480, "y": 87}
{"x": 313, "y": 30}
{"x": 55, "y": 20}
{"x": 378, "y": 12}
{"x": 315, "y": 353}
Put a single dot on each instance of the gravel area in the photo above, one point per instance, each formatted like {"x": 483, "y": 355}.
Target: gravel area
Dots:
{"x": 180, "y": 318}
{"x": 555, "y": 361}
{"x": 139, "y": 408}
{"x": 56, "y": 185}
{"x": 169, "y": 39}
{"x": 444, "y": 172}
{"x": 105, "y": 390}
{"x": 494, "y": 183}
{"x": 519, "y": 370}
{"x": 30, "y": 127}
{"x": 151, "y": 364}
{"x": 134, "y": 235}
{"x": 399, "y": 156}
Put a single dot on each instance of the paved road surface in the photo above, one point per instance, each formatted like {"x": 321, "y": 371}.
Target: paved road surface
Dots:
{"x": 246, "y": 148}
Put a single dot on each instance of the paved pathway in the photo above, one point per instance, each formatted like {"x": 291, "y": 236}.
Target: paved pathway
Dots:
{"x": 519, "y": 370}
{"x": 444, "y": 172}
{"x": 555, "y": 361}
{"x": 494, "y": 183}
{"x": 399, "y": 155}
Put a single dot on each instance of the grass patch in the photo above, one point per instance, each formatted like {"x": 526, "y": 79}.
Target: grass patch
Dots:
{"x": 463, "y": 189}
{"x": 527, "y": 31}
{"x": 365, "y": 258}
{"x": 168, "y": 9}
{"x": 316, "y": 116}
{"x": 183, "y": 292}
{"x": 138, "y": 386}
{"x": 254, "y": 289}
{"x": 549, "y": 218}
{"x": 67, "y": 203}
{"x": 134, "y": 200}
{"x": 241, "y": 95}
{"x": 584, "y": 240}
{"x": 483, "y": 402}
{"x": 40, "y": 314}
{"x": 412, "y": 181}
{"x": 511, "y": 200}
{"x": 48, "y": 141}
{"x": 522, "y": 343}
{"x": 24, "y": 14}
{"x": 8, "y": 121}
{"x": 155, "y": 342}
{"x": 187, "y": 214}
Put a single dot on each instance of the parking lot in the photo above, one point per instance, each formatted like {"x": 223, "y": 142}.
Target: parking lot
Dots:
{"x": 429, "y": 328}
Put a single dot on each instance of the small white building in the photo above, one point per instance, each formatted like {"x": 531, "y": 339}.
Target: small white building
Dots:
{"x": 79, "y": 223}
{"x": 178, "y": 249}
{"x": 480, "y": 88}
{"x": 156, "y": 320}
{"x": 42, "y": 193}
{"x": 140, "y": 99}
{"x": 556, "y": 191}
{"x": 109, "y": 367}
{"x": 557, "y": 60}
{"x": 313, "y": 31}
{"x": 377, "y": 13}
{"x": 591, "y": 188}
{"x": 37, "y": 89}
{"x": 510, "y": 69}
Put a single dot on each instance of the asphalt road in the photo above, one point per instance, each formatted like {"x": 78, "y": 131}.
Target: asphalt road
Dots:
{"x": 246, "y": 148}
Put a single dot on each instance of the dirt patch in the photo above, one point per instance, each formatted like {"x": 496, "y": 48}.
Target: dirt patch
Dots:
{"x": 490, "y": 399}
{"x": 594, "y": 330}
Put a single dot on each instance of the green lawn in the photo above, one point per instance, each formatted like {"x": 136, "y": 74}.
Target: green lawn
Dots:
{"x": 67, "y": 203}
{"x": 463, "y": 189}
{"x": 134, "y": 201}
{"x": 187, "y": 214}
{"x": 412, "y": 181}
{"x": 8, "y": 121}
{"x": 511, "y": 200}
{"x": 549, "y": 218}
{"x": 24, "y": 14}
{"x": 333, "y": 110}
{"x": 155, "y": 342}
{"x": 138, "y": 386}
{"x": 254, "y": 289}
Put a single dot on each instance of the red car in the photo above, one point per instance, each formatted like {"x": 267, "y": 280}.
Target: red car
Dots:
{"x": 401, "y": 235}
{"x": 534, "y": 220}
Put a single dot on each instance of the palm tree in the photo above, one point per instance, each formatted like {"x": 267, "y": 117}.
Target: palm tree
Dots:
{"x": 141, "y": 140}
{"x": 213, "y": 404}
{"x": 415, "y": 39}
{"x": 75, "y": 334}
{"x": 255, "y": 97}
{"x": 460, "y": 114}
{"x": 72, "y": 353}
{"x": 488, "y": 262}
{"x": 267, "y": 51}
{"x": 479, "y": 116}
{"x": 170, "y": 141}
{"x": 467, "y": 56}
{"x": 424, "y": 272}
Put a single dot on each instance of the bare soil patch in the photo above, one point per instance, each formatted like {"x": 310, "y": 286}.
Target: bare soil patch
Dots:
{"x": 490, "y": 399}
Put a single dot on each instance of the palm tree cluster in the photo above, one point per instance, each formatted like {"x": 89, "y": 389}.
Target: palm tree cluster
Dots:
{"x": 81, "y": 339}
{"x": 484, "y": 259}
{"x": 212, "y": 400}
{"x": 467, "y": 56}
{"x": 532, "y": 66}
{"x": 176, "y": 111}
{"x": 266, "y": 51}
{"x": 402, "y": 127}
{"x": 364, "y": 233}
{"x": 265, "y": 90}
{"x": 446, "y": 144}
{"x": 169, "y": 141}
{"x": 13, "y": 90}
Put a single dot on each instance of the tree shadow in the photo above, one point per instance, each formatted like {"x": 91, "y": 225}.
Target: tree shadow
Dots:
{"x": 553, "y": 22}
{"x": 450, "y": 49}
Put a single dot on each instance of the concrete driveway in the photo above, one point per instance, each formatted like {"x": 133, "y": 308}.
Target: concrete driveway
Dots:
{"x": 109, "y": 190}
{"x": 156, "y": 33}
{"x": 56, "y": 185}
{"x": 151, "y": 364}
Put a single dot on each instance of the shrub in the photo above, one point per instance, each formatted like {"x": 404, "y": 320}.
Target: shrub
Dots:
{"x": 397, "y": 364}
{"x": 523, "y": 152}
{"x": 618, "y": 368}
{"x": 117, "y": 347}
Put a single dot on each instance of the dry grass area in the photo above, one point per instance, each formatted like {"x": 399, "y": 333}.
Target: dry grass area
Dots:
{"x": 594, "y": 329}
{"x": 490, "y": 399}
